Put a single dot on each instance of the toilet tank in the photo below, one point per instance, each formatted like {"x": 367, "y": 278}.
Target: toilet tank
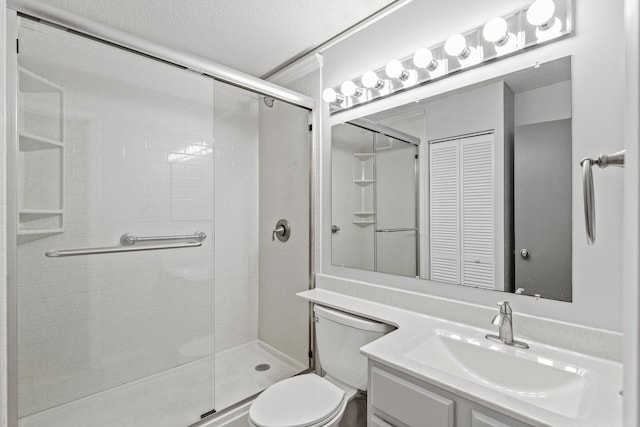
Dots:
{"x": 339, "y": 337}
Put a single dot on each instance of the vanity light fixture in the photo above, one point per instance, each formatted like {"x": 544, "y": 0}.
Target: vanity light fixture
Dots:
{"x": 456, "y": 45}
{"x": 496, "y": 31}
{"x": 332, "y": 97}
{"x": 349, "y": 88}
{"x": 423, "y": 58}
{"x": 542, "y": 14}
{"x": 528, "y": 27}
{"x": 395, "y": 70}
{"x": 370, "y": 80}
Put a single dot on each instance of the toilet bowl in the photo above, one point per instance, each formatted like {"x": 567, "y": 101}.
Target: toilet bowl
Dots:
{"x": 303, "y": 401}
{"x": 312, "y": 400}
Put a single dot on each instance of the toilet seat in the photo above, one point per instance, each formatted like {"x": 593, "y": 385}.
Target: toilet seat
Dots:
{"x": 302, "y": 401}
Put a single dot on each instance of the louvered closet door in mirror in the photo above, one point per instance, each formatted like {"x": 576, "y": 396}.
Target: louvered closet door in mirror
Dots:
{"x": 462, "y": 211}
{"x": 478, "y": 211}
{"x": 444, "y": 195}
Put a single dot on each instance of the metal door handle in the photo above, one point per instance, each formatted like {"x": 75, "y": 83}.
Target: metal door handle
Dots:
{"x": 335, "y": 229}
{"x": 524, "y": 253}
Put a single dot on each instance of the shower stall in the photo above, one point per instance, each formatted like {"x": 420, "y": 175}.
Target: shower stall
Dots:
{"x": 375, "y": 198}
{"x": 145, "y": 287}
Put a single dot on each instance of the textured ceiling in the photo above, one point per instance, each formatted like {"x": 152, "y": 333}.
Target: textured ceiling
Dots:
{"x": 254, "y": 36}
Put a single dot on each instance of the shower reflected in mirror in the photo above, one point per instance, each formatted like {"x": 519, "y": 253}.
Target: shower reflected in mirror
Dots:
{"x": 471, "y": 187}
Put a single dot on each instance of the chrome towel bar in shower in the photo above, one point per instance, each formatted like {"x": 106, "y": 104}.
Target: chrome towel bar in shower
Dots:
{"x": 603, "y": 161}
{"x": 129, "y": 240}
{"x": 394, "y": 230}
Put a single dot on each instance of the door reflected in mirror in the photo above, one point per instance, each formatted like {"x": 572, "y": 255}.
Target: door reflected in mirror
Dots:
{"x": 471, "y": 188}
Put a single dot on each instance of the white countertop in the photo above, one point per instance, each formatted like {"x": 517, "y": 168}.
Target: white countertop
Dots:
{"x": 600, "y": 406}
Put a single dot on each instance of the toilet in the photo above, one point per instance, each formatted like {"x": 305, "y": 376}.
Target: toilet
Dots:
{"x": 312, "y": 400}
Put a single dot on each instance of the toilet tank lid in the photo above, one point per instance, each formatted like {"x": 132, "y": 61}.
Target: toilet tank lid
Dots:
{"x": 351, "y": 320}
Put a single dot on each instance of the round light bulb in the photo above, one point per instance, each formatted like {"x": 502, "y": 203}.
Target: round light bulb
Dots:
{"x": 456, "y": 45}
{"x": 330, "y": 95}
{"x": 370, "y": 80}
{"x": 495, "y": 31}
{"x": 423, "y": 58}
{"x": 394, "y": 69}
{"x": 349, "y": 88}
{"x": 541, "y": 12}
{"x": 549, "y": 31}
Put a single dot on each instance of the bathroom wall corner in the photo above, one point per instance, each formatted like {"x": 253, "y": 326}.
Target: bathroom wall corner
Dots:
{"x": 3, "y": 225}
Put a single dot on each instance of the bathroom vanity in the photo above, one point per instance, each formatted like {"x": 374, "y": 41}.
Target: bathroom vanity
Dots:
{"x": 438, "y": 373}
{"x": 397, "y": 399}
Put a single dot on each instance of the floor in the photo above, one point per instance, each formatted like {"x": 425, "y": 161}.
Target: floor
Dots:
{"x": 177, "y": 397}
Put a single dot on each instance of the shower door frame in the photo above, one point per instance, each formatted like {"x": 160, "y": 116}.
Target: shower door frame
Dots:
{"x": 86, "y": 28}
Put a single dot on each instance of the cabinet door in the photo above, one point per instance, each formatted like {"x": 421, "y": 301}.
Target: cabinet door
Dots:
{"x": 478, "y": 211}
{"x": 377, "y": 422}
{"x": 479, "y": 419}
{"x": 444, "y": 202}
{"x": 408, "y": 403}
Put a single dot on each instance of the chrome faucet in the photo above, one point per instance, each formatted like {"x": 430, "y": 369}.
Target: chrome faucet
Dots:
{"x": 504, "y": 321}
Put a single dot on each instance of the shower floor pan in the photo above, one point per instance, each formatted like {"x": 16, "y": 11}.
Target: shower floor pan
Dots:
{"x": 176, "y": 397}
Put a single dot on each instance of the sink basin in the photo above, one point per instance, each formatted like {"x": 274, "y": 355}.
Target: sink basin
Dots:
{"x": 550, "y": 384}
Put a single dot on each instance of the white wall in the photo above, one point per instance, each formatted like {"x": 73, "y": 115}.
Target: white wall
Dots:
{"x": 544, "y": 104}
{"x": 598, "y": 94}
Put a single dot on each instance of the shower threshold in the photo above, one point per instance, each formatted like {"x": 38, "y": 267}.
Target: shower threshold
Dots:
{"x": 176, "y": 397}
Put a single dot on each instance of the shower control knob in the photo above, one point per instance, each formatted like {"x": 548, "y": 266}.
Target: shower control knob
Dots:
{"x": 524, "y": 253}
{"x": 282, "y": 231}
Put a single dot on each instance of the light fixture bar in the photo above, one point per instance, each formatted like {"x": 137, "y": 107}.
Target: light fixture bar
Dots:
{"x": 543, "y": 21}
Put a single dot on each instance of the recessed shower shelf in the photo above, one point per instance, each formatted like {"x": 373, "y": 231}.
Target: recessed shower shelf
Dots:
{"x": 364, "y": 213}
{"x": 364, "y": 222}
{"x": 29, "y": 142}
{"x": 40, "y": 231}
{"x": 30, "y": 82}
{"x": 40, "y": 155}
{"x": 39, "y": 221}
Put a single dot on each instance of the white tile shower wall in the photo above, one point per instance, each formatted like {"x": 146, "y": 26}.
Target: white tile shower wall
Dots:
{"x": 310, "y": 85}
{"x": 284, "y": 193}
{"x": 140, "y": 161}
{"x": 236, "y": 213}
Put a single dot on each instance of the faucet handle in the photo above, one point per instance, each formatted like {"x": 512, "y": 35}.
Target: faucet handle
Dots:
{"x": 504, "y": 306}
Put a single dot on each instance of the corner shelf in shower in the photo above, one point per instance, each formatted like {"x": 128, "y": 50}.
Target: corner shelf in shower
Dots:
{"x": 364, "y": 222}
{"x": 363, "y": 189}
{"x": 40, "y": 155}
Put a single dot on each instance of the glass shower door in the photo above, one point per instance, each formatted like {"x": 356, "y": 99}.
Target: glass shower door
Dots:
{"x": 108, "y": 143}
{"x": 396, "y": 206}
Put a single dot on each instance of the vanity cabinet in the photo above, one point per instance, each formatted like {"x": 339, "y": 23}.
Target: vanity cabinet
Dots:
{"x": 398, "y": 400}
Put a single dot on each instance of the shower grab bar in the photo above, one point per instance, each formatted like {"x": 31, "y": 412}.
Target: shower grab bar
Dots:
{"x": 56, "y": 253}
{"x": 128, "y": 239}
{"x": 128, "y": 242}
{"x": 603, "y": 161}
{"x": 394, "y": 230}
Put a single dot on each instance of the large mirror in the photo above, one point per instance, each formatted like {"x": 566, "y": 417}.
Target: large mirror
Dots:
{"x": 472, "y": 187}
